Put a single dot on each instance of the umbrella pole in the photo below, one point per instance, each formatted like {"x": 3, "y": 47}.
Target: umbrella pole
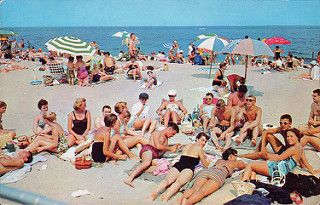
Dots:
{"x": 246, "y": 67}
{"x": 210, "y": 64}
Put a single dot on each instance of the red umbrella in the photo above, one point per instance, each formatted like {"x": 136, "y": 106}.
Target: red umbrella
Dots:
{"x": 276, "y": 40}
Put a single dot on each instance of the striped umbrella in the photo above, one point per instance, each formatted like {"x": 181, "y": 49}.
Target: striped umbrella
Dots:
{"x": 248, "y": 47}
{"x": 214, "y": 43}
{"x": 5, "y": 33}
{"x": 203, "y": 36}
{"x": 70, "y": 45}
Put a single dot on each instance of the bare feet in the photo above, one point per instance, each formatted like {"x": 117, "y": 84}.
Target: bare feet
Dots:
{"x": 154, "y": 195}
{"x": 128, "y": 182}
{"x": 253, "y": 142}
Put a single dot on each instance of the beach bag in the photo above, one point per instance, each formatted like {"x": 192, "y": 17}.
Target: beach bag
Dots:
{"x": 82, "y": 163}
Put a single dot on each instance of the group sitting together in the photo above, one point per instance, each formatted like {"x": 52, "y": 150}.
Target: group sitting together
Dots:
{"x": 114, "y": 135}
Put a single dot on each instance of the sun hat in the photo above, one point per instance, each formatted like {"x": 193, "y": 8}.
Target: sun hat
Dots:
{"x": 313, "y": 62}
{"x": 144, "y": 95}
{"x": 172, "y": 92}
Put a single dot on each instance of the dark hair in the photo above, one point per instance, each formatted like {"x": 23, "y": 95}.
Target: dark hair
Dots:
{"x": 317, "y": 91}
{"x": 110, "y": 119}
{"x": 132, "y": 57}
{"x": 131, "y": 34}
{"x": 173, "y": 126}
{"x": 71, "y": 58}
{"x": 243, "y": 89}
{"x": 149, "y": 67}
{"x": 220, "y": 103}
{"x": 41, "y": 103}
{"x": 228, "y": 152}
{"x": 202, "y": 134}
{"x": 277, "y": 47}
{"x": 106, "y": 106}
{"x": 30, "y": 158}
{"x": 222, "y": 64}
{"x": 242, "y": 80}
{"x": 296, "y": 132}
{"x": 209, "y": 94}
{"x": 108, "y": 53}
{"x": 78, "y": 57}
{"x": 3, "y": 104}
{"x": 286, "y": 116}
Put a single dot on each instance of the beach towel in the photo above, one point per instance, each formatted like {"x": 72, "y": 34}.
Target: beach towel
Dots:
{"x": 17, "y": 175}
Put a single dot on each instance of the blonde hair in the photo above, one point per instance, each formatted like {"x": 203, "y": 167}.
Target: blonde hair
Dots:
{"x": 119, "y": 106}
{"x": 78, "y": 103}
{"x": 51, "y": 116}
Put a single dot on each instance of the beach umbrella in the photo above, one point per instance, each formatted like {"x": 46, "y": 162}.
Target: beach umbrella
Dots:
{"x": 203, "y": 36}
{"x": 121, "y": 34}
{"x": 70, "y": 45}
{"x": 211, "y": 44}
{"x": 276, "y": 41}
{"x": 247, "y": 47}
{"x": 5, "y": 33}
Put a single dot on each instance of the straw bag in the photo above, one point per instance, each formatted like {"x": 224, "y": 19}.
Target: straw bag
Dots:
{"x": 82, "y": 163}
{"x": 186, "y": 125}
{"x": 243, "y": 187}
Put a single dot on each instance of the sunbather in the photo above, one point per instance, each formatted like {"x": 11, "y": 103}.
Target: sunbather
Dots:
{"x": 8, "y": 163}
{"x": 174, "y": 109}
{"x": 39, "y": 125}
{"x": 97, "y": 75}
{"x": 211, "y": 179}
{"x": 99, "y": 122}
{"x": 206, "y": 110}
{"x": 182, "y": 171}
{"x": 157, "y": 146}
{"x": 4, "y": 132}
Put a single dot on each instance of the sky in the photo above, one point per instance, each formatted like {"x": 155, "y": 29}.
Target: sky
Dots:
{"x": 55, "y": 13}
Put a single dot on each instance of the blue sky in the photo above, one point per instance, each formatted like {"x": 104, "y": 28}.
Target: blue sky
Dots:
{"x": 51, "y": 13}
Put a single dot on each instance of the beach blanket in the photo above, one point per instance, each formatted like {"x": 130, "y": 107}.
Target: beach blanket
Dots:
{"x": 17, "y": 175}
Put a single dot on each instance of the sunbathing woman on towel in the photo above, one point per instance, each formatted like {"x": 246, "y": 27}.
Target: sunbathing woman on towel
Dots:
{"x": 56, "y": 142}
{"x": 182, "y": 171}
{"x": 211, "y": 179}
{"x": 284, "y": 163}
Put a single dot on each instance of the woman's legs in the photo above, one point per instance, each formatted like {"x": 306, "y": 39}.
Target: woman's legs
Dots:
{"x": 123, "y": 147}
{"x": 71, "y": 140}
{"x": 166, "y": 118}
{"x": 257, "y": 167}
{"x": 314, "y": 141}
{"x": 133, "y": 141}
{"x": 214, "y": 131}
{"x": 174, "y": 117}
{"x": 145, "y": 126}
{"x": 138, "y": 123}
{"x": 153, "y": 126}
{"x": 184, "y": 176}
{"x": 205, "y": 120}
{"x": 170, "y": 178}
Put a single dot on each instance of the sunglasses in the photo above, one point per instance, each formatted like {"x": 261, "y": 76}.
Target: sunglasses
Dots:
{"x": 249, "y": 100}
{"x": 171, "y": 96}
{"x": 208, "y": 99}
{"x": 283, "y": 123}
{"x": 145, "y": 99}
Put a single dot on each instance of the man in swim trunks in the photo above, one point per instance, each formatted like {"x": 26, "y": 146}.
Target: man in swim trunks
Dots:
{"x": 252, "y": 125}
{"x": 238, "y": 98}
{"x": 225, "y": 125}
{"x": 157, "y": 146}
{"x": 109, "y": 64}
{"x": 268, "y": 136}
{"x": 8, "y": 163}
{"x": 132, "y": 46}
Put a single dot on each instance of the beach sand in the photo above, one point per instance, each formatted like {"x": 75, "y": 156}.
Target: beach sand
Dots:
{"x": 280, "y": 95}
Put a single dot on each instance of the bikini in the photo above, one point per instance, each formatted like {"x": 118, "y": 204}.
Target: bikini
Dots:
{"x": 283, "y": 166}
{"x": 63, "y": 144}
{"x": 172, "y": 107}
{"x": 80, "y": 126}
{"x": 186, "y": 162}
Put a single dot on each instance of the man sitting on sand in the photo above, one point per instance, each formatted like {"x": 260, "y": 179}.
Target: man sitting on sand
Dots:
{"x": 157, "y": 146}
{"x": 268, "y": 136}
{"x": 225, "y": 125}
{"x": 252, "y": 126}
{"x": 133, "y": 68}
{"x": 238, "y": 98}
{"x": 8, "y": 163}
{"x": 311, "y": 131}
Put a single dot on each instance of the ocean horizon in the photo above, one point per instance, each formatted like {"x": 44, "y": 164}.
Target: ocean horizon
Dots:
{"x": 305, "y": 40}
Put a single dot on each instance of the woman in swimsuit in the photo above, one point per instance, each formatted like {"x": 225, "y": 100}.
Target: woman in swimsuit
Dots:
{"x": 55, "y": 142}
{"x": 174, "y": 109}
{"x": 211, "y": 179}
{"x": 182, "y": 171}
{"x": 206, "y": 110}
{"x": 39, "y": 125}
{"x": 82, "y": 73}
{"x": 98, "y": 75}
{"x": 71, "y": 69}
{"x": 79, "y": 121}
{"x": 152, "y": 80}
{"x": 218, "y": 83}
{"x": 133, "y": 68}
{"x": 283, "y": 163}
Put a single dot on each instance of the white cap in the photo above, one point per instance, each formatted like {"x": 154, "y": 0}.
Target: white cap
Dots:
{"x": 313, "y": 62}
{"x": 172, "y": 92}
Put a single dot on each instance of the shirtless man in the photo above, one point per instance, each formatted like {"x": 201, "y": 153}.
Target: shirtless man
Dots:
{"x": 109, "y": 64}
{"x": 268, "y": 136}
{"x": 8, "y": 163}
{"x": 238, "y": 98}
{"x": 252, "y": 115}
{"x": 311, "y": 132}
{"x": 157, "y": 146}
{"x": 225, "y": 125}
{"x": 132, "y": 45}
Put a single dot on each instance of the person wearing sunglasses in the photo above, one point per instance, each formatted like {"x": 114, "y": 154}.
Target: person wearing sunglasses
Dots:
{"x": 224, "y": 125}
{"x": 311, "y": 131}
{"x": 206, "y": 110}
{"x": 174, "y": 109}
{"x": 252, "y": 126}
{"x": 269, "y": 137}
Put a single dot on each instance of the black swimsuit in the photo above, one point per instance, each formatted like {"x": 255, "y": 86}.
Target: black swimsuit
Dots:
{"x": 186, "y": 162}
{"x": 79, "y": 126}
{"x": 97, "y": 152}
{"x": 216, "y": 82}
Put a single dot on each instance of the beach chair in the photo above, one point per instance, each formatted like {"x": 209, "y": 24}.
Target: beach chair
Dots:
{"x": 164, "y": 111}
{"x": 57, "y": 72}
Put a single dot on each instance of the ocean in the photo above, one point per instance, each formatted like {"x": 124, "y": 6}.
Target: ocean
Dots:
{"x": 304, "y": 39}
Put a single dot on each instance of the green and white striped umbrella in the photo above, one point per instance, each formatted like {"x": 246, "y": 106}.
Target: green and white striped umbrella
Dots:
{"x": 70, "y": 45}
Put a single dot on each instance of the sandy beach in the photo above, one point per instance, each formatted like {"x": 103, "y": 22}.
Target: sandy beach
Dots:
{"x": 277, "y": 95}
